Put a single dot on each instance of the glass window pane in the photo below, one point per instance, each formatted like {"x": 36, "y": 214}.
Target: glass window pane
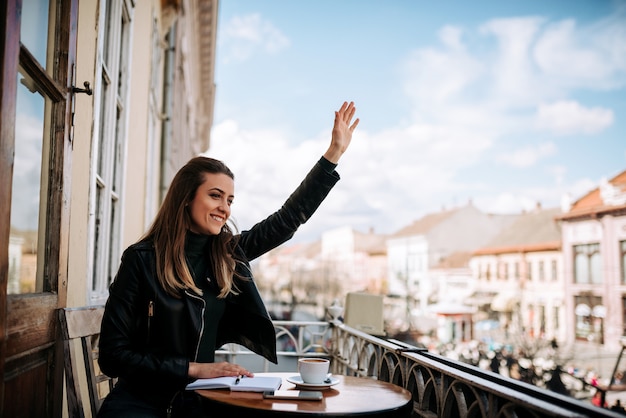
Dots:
{"x": 596, "y": 268}
{"x": 34, "y": 28}
{"x": 107, "y": 33}
{"x": 581, "y": 266}
{"x": 25, "y": 199}
{"x": 623, "y": 264}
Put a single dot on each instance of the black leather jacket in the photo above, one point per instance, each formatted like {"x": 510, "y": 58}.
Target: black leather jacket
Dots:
{"x": 148, "y": 337}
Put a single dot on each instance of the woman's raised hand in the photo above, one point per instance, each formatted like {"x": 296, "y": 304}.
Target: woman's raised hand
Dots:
{"x": 342, "y": 132}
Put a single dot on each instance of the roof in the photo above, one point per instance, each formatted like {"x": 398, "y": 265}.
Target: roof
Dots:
{"x": 609, "y": 197}
{"x": 531, "y": 232}
{"x": 425, "y": 224}
{"x": 304, "y": 249}
{"x": 370, "y": 243}
{"x": 451, "y": 233}
{"x": 457, "y": 259}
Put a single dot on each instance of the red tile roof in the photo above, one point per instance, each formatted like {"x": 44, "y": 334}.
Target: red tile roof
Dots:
{"x": 592, "y": 203}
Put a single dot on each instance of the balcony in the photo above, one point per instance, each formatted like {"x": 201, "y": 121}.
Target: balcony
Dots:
{"x": 440, "y": 387}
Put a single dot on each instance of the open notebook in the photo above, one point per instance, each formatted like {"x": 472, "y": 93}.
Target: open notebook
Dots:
{"x": 245, "y": 384}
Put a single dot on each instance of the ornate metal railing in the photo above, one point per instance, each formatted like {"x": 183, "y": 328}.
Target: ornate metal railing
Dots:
{"x": 440, "y": 387}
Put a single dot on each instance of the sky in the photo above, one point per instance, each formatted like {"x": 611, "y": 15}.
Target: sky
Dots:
{"x": 504, "y": 104}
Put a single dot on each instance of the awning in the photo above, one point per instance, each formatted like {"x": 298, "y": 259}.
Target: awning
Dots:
{"x": 451, "y": 308}
{"x": 479, "y": 298}
{"x": 504, "y": 302}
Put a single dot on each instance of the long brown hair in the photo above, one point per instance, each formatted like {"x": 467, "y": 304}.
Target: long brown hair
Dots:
{"x": 169, "y": 229}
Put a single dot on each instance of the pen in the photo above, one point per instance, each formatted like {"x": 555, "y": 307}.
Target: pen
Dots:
{"x": 238, "y": 379}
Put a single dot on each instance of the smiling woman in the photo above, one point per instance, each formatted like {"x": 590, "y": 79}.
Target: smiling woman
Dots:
{"x": 186, "y": 287}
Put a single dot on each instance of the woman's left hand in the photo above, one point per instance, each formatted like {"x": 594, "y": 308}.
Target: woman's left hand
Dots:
{"x": 209, "y": 370}
{"x": 342, "y": 132}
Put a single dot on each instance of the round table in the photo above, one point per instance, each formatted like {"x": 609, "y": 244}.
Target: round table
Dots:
{"x": 352, "y": 396}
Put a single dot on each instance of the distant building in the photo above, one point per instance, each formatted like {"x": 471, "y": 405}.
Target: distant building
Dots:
{"x": 358, "y": 259}
{"x": 428, "y": 263}
{"x": 520, "y": 272}
{"x": 310, "y": 276}
{"x": 594, "y": 253}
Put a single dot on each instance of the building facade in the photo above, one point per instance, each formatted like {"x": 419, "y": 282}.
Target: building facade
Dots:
{"x": 522, "y": 270}
{"x": 417, "y": 256}
{"x": 594, "y": 256}
{"x": 311, "y": 276}
{"x": 101, "y": 102}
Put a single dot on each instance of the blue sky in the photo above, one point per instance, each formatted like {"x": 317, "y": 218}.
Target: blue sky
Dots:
{"x": 504, "y": 103}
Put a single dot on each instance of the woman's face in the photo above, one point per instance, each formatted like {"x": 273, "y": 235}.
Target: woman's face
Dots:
{"x": 210, "y": 208}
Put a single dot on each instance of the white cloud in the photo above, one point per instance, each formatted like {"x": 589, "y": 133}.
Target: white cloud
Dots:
{"x": 475, "y": 91}
{"x": 28, "y": 142}
{"x": 558, "y": 172}
{"x": 513, "y": 81}
{"x": 436, "y": 75}
{"x": 527, "y": 156}
{"x": 265, "y": 180}
{"x": 27, "y": 171}
{"x": 569, "y": 117}
{"x": 385, "y": 176}
{"x": 506, "y": 202}
{"x": 466, "y": 85}
{"x": 242, "y": 36}
{"x": 591, "y": 57}
{"x": 581, "y": 187}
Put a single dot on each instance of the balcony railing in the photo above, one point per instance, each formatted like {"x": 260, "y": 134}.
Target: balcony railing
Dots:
{"x": 440, "y": 387}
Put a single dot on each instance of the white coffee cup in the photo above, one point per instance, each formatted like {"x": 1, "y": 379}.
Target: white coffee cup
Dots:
{"x": 313, "y": 370}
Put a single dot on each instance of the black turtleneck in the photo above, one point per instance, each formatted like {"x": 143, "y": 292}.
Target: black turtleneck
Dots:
{"x": 197, "y": 250}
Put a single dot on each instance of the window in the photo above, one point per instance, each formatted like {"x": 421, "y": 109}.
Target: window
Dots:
{"x": 26, "y": 230}
{"x": 516, "y": 270}
{"x": 587, "y": 264}
{"x": 542, "y": 320}
{"x": 554, "y": 270}
{"x": 624, "y": 316}
{"x": 555, "y": 318}
{"x": 156, "y": 117}
{"x": 529, "y": 271}
{"x": 589, "y": 318}
{"x": 541, "y": 271}
{"x": 622, "y": 246}
{"x": 38, "y": 159}
{"x": 109, "y": 143}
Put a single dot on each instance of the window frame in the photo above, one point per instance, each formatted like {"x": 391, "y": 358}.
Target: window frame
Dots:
{"x": 591, "y": 253}
{"x": 622, "y": 261}
{"x": 109, "y": 145}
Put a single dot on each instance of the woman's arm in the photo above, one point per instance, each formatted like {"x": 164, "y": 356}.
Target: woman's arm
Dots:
{"x": 124, "y": 350}
{"x": 304, "y": 201}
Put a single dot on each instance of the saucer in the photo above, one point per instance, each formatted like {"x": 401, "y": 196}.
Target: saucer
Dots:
{"x": 297, "y": 380}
